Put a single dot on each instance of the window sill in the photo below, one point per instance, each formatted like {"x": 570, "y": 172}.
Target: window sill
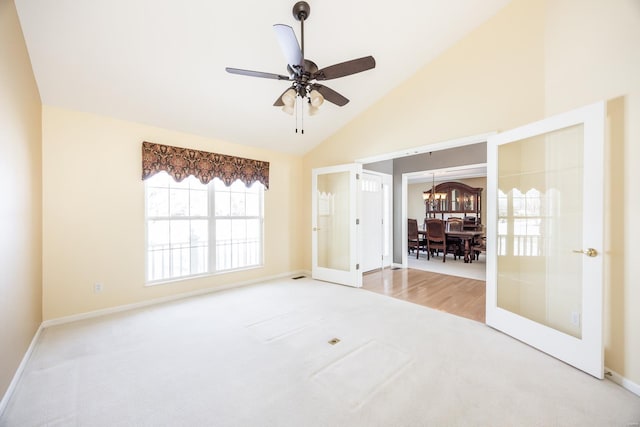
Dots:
{"x": 200, "y": 276}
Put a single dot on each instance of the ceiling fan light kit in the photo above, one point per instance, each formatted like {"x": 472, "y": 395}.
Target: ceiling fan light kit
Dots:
{"x": 303, "y": 74}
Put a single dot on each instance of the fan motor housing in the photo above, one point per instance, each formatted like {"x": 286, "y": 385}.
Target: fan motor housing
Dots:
{"x": 301, "y": 10}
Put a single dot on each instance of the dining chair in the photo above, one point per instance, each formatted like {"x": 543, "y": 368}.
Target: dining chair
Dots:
{"x": 455, "y": 224}
{"x": 437, "y": 239}
{"x": 413, "y": 238}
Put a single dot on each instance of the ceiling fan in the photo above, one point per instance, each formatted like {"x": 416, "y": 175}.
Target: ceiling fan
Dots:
{"x": 304, "y": 73}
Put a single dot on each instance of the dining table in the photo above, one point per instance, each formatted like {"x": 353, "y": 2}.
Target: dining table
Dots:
{"x": 467, "y": 236}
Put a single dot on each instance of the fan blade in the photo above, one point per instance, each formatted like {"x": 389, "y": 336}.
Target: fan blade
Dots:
{"x": 331, "y": 95}
{"x": 256, "y": 74}
{"x": 289, "y": 45}
{"x": 345, "y": 68}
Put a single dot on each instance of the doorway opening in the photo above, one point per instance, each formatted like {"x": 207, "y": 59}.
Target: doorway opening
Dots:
{"x": 452, "y": 286}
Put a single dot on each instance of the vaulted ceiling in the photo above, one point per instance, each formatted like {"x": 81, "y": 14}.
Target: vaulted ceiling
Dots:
{"x": 162, "y": 62}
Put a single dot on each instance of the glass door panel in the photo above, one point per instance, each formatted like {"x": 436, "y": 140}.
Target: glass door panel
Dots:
{"x": 538, "y": 276}
{"x": 333, "y": 216}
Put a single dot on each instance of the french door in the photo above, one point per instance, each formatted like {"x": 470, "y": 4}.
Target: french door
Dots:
{"x": 545, "y": 239}
{"x": 335, "y": 238}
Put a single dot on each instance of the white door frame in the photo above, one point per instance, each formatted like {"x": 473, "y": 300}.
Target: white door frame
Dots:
{"x": 405, "y": 184}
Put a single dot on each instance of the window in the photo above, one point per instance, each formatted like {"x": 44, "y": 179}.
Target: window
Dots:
{"x": 195, "y": 229}
{"x": 520, "y": 223}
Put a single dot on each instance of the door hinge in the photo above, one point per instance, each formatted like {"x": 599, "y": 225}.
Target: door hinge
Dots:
{"x": 357, "y": 266}
{"x": 357, "y": 221}
{"x": 357, "y": 176}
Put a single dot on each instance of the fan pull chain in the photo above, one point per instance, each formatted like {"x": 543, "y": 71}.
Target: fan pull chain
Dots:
{"x": 296, "y": 114}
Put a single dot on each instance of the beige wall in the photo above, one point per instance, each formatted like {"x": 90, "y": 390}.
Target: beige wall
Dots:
{"x": 532, "y": 59}
{"x": 93, "y": 212}
{"x": 21, "y": 191}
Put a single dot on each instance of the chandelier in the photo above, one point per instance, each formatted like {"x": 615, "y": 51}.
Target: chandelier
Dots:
{"x": 432, "y": 200}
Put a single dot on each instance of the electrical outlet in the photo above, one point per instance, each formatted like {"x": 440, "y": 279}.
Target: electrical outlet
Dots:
{"x": 97, "y": 287}
{"x": 575, "y": 318}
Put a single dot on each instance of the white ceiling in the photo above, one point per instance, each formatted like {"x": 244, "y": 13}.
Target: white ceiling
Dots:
{"x": 161, "y": 62}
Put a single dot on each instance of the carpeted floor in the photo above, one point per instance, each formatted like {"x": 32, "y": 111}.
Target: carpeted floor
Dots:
{"x": 260, "y": 356}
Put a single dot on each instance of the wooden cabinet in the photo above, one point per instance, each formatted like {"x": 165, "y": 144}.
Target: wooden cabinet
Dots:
{"x": 454, "y": 199}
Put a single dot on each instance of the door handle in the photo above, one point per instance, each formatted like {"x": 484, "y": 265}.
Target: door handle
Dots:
{"x": 589, "y": 252}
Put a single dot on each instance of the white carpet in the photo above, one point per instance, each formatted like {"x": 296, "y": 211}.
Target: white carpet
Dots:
{"x": 260, "y": 356}
{"x": 474, "y": 270}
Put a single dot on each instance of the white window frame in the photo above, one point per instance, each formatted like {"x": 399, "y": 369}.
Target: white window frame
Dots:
{"x": 211, "y": 268}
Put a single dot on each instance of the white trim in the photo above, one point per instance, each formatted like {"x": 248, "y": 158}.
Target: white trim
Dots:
{"x": 16, "y": 376}
{"x": 127, "y": 307}
{"x": 622, "y": 381}
{"x": 446, "y": 174}
{"x": 403, "y": 222}
{"x": 437, "y": 146}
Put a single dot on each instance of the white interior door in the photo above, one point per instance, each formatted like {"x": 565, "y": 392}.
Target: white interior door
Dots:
{"x": 376, "y": 220}
{"x": 545, "y": 235}
{"x": 336, "y": 200}
{"x": 372, "y": 226}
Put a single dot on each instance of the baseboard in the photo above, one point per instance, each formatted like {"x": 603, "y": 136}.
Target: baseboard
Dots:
{"x": 622, "y": 381}
{"x": 16, "y": 376}
{"x": 142, "y": 304}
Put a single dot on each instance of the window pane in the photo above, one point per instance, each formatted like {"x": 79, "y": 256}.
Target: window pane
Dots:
{"x": 199, "y": 259}
{"x": 179, "y": 202}
{"x": 239, "y": 230}
{"x": 253, "y": 229}
{"x": 223, "y": 244}
{"x": 199, "y": 232}
{"x": 237, "y": 204}
{"x": 223, "y": 229}
{"x": 180, "y": 233}
{"x": 158, "y": 202}
{"x": 223, "y": 203}
{"x": 179, "y": 262}
{"x": 158, "y": 233}
{"x": 252, "y": 204}
{"x": 199, "y": 205}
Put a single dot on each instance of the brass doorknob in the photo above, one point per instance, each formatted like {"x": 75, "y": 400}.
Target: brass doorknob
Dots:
{"x": 589, "y": 252}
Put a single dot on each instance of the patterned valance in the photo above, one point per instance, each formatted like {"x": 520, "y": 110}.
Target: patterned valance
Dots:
{"x": 182, "y": 162}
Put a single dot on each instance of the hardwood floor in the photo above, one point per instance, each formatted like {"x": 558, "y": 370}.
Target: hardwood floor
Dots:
{"x": 455, "y": 295}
